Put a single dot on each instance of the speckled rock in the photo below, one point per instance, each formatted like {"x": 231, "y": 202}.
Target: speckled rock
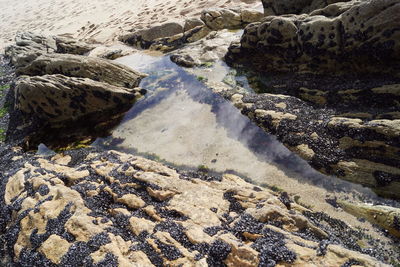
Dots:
{"x": 93, "y": 68}
{"x": 53, "y": 98}
{"x": 70, "y": 213}
{"x": 362, "y": 39}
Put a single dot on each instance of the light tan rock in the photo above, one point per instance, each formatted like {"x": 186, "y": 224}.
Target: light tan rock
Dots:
{"x": 54, "y": 248}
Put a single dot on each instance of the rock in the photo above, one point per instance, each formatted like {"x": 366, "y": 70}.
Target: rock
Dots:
{"x": 173, "y": 35}
{"x": 84, "y": 67}
{"x": 361, "y": 39}
{"x": 206, "y": 50}
{"x": 112, "y": 52}
{"x": 192, "y": 23}
{"x": 177, "y": 41}
{"x": 68, "y": 97}
{"x": 384, "y": 216}
{"x": 58, "y": 98}
{"x": 68, "y": 45}
{"x": 206, "y": 222}
{"x": 281, "y": 7}
{"x": 37, "y": 41}
{"x": 144, "y": 38}
{"x": 221, "y": 18}
{"x": 30, "y": 45}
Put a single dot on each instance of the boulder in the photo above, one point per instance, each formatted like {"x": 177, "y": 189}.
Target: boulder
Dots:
{"x": 76, "y": 209}
{"x": 192, "y": 23}
{"x": 29, "y": 45}
{"x": 69, "y": 45}
{"x": 143, "y": 38}
{"x": 362, "y": 39}
{"x": 97, "y": 69}
{"x": 58, "y": 98}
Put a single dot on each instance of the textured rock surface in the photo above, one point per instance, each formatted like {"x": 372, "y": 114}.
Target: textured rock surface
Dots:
{"x": 114, "y": 209}
{"x": 363, "y": 39}
{"x": 58, "y": 98}
{"x": 96, "y": 69}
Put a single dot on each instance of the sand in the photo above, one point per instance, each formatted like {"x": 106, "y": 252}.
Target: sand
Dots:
{"x": 98, "y": 21}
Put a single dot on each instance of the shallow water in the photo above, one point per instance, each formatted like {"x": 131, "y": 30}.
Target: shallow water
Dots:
{"x": 184, "y": 123}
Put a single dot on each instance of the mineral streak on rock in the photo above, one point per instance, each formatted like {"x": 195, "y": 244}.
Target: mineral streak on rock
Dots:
{"x": 110, "y": 208}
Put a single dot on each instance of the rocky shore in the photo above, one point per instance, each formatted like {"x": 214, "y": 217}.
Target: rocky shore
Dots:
{"x": 333, "y": 98}
{"x": 340, "y": 108}
{"x": 94, "y": 208}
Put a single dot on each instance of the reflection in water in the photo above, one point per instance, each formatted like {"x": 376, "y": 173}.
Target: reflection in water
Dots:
{"x": 183, "y": 122}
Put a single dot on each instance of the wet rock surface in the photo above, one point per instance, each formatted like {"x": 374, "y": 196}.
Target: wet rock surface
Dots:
{"x": 109, "y": 208}
{"x": 65, "y": 96}
{"x": 354, "y": 149}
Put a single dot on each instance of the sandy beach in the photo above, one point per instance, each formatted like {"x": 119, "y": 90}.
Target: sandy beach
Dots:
{"x": 99, "y": 21}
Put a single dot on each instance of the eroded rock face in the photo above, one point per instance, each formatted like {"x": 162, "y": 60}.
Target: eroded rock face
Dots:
{"x": 363, "y": 39}
{"x": 111, "y": 209}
